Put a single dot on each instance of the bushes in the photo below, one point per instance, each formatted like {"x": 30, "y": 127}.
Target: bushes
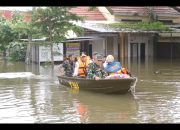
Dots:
{"x": 17, "y": 51}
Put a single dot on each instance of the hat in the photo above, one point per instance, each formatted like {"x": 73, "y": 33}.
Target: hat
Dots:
{"x": 99, "y": 57}
{"x": 95, "y": 53}
{"x": 109, "y": 58}
{"x": 83, "y": 55}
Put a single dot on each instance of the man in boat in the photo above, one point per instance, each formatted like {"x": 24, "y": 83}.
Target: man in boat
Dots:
{"x": 95, "y": 69}
{"x": 68, "y": 65}
{"x": 94, "y": 56}
{"x": 81, "y": 66}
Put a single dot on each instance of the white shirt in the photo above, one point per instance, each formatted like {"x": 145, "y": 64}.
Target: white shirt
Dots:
{"x": 105, "y": 64}
{"x": 76, "y": 69}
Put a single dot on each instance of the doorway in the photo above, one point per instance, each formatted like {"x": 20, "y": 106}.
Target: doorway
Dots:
{"x": 134, "y": 50}
{"x": 138, "y": 51}
{"x": 142, "y": 51}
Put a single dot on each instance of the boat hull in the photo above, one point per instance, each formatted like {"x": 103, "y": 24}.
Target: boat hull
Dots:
{"x": 106, "y": 86}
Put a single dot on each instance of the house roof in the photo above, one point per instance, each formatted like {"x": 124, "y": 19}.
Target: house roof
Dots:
{"x": 132, "y": 10}
{"x": 8, "y": 15}
{"x": 89, "y": 15}
{"x": 98, "y": 27}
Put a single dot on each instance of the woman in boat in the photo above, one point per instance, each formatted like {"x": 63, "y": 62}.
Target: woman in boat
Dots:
{"x": 82, "y": 66}
{"x": 111, "y": 66}
{"x": 114, "y": 68}
{"x": 95, "y": 69}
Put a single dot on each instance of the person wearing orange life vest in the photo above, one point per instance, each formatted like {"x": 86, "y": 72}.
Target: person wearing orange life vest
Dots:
{"x": 82, "y": 66}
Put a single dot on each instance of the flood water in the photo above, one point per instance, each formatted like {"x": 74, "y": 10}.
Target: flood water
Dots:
{"x": 32, "y": 94}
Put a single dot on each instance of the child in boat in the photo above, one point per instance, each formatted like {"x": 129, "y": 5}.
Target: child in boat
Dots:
{"x": 95, "y": 69}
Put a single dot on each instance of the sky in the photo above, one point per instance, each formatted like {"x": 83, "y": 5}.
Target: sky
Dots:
{"x": 20, "y": 8}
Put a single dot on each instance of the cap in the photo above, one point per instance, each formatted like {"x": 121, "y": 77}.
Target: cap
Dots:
{"x": 83, "y": 55}
{"x": 99, "y": 57}
{"x": 95, "y": 53}
{"x": 109, "y": 58}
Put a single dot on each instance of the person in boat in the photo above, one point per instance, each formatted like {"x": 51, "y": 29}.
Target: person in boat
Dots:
{"x": 104, "y": 61}
{"x": 94, "y": 56}
{"x": 68, "y": 65}
{"x": 114, "y": 68}
{"x": 111, "y": 66}
{"x": 95, "y": 69}
{"x": 81, "y": 66}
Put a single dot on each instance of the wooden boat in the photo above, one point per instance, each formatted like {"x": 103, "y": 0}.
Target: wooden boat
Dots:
{"x": 106, "y": 86}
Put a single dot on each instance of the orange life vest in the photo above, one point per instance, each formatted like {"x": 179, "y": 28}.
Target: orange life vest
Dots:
{"x": 82, "y": 70}
{"x": 121, "y": 71}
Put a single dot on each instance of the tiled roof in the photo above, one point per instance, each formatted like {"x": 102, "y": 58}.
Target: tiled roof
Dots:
{"x": 160, "y": 10}
{"x": 89, "y": 15}
{"x": 8, "y": 15}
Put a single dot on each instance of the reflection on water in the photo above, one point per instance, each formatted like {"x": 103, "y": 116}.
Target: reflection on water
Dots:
{"x": 32, "y": 94}
{"x": 157, "y": 92}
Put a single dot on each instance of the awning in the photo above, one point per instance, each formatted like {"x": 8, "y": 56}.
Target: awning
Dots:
{"x": 85, "y": 38}
{"x": 98, "y": 27}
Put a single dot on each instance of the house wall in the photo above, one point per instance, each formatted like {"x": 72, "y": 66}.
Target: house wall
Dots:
{"x": 110, "y": 46}
{"x": 35, "y": 54}
{"x": 139, "y": 38}
{"x": 115, "y": 48}
{"x": 107, "y": 45}
{"x": 98, "y": 46}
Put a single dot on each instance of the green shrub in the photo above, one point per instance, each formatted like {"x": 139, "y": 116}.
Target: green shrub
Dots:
{"x": 143, "y": 26}
{"x": 17, "y": 51}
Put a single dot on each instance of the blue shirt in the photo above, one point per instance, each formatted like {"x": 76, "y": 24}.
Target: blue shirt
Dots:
{"x": 113, "y": 67}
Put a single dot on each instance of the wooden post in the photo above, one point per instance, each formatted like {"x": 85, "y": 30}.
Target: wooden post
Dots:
{"x": 122, "y": 48}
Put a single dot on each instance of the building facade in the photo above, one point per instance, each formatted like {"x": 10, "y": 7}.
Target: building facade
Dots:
{"x": 141, "y": 45}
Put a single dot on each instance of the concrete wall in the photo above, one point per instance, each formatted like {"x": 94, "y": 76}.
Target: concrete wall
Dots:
{"x": 140, "y": 38}
{"x": 107, "y": 45}
{"x": 98, "y": 46}
{"x": 115, "y": 48}
{"x": 112, "y": 46}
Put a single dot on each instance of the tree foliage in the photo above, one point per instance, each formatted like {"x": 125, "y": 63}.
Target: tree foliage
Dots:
{"x": 54, "y": 23}
{"x": 6, "y": 35}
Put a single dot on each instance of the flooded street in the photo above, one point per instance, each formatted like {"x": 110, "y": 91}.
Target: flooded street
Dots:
{"x": 32, "y": 94}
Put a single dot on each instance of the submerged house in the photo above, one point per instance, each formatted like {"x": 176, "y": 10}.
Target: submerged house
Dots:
{"x": 125, "y": 43}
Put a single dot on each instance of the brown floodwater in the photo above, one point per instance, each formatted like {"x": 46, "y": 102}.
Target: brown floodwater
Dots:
{"x": 32, "y": 94}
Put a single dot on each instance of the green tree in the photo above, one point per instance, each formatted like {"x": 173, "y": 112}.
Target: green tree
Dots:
{"x": 54, "y": 23}
{"x": 6, "y": 35}
{"x": 24, "y": 30}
